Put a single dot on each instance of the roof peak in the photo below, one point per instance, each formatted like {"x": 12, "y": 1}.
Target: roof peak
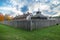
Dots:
{"x": 38, "y": 12}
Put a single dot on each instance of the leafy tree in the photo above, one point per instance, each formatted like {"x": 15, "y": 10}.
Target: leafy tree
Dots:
{"x": 7, "y": 17}
{"x": 1, "y": 17}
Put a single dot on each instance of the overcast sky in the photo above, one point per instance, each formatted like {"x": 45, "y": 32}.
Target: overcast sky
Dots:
{"x": 18, "y": 7}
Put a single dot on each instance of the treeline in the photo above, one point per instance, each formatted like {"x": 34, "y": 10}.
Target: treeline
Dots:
{"x": 5, "y": 17}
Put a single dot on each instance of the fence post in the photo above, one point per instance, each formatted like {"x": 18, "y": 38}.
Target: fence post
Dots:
{"x": 31, "y": 25}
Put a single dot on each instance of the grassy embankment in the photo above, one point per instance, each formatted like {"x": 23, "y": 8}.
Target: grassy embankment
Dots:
{"x": 10, "y": 33}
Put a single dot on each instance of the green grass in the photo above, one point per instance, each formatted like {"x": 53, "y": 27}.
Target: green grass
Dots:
{"x": 10, "y": 33}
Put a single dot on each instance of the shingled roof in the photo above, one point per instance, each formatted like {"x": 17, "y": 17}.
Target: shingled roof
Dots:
{"x": 22, "y": 16}
{"x": 38, "y": 16}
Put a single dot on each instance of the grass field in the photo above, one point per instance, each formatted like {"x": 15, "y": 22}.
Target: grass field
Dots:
{"x": 10, "y": 33}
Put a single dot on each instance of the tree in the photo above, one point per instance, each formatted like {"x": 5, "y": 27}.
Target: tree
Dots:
{"x": 1, "y": 17}
{"x": 7, "y": 17}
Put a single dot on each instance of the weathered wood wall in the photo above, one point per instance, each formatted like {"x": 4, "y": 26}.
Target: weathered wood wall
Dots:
{"x": 31, "y": 24}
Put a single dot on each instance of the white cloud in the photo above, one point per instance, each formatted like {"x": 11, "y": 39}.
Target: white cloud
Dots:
{"x": 44, "y": 6}
{"x": 55, "y": 2}
{"x": 57, "y": 10}
{"x": 33, "y": 6}
{"x": 5, "y": 8}
{"x": 11, "y": 9}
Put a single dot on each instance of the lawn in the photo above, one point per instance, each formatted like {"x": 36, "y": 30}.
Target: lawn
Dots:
{"x": 10, "y": 33}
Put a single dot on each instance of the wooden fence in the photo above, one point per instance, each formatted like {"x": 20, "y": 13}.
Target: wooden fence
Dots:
{"x": 31, "y": 24}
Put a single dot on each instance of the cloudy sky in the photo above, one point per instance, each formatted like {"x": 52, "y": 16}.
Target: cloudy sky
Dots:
{"x": 18, "y": 7}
